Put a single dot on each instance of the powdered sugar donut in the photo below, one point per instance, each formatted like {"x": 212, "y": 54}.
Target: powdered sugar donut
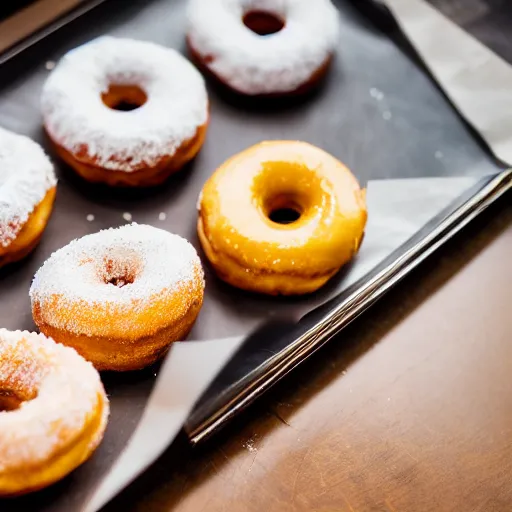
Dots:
{"x": 125, "y": 112}
{"x": 264, "y": 47}
{"x": 27, "y": 193}
{"x": 54, "y": 411}
{"x": 120, "y": 296}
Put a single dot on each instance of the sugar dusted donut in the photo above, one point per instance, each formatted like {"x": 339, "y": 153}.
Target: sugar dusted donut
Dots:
{"x": 281, "y": 217}
{"x": 53, "y": 411}
{"x": 263, "y": 47}
{"x": 120, "y": 296}
{"x": 85, "y": 102}
{"x": 27, "y": 193}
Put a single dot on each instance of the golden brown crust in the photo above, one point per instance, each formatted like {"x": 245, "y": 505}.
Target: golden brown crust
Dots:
{"x": 124, "y": 353}
{"x": 146, "y": 176}
{"x": 259, "y": 281}
{"x": 31, "y": 233}
{"x": 125, "y": 348}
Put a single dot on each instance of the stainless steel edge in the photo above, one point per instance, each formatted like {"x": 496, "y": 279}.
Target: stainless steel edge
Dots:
{"x": 358, "y": 302}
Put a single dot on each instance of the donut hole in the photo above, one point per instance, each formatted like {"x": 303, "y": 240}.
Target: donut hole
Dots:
{"x": 283, "y": 209}
{"x": 263, "y": 23}
{"x": 284, "y": 215}
{"x": 10, "y": 400}
{"x": 120, "y": 268}
{"x": 124, "y": 98}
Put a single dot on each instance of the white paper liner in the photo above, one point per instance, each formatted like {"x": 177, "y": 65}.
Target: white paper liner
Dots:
{"x": 476, "y": 80}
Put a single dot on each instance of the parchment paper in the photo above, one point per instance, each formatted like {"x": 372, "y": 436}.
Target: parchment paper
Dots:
{"x": 478, "y": 82}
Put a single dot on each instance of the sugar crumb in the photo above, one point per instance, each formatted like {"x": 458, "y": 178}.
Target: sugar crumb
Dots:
{"x": 50, "y": 64}
{"x": 127, "y": 216}
{"x": 162, "y": 216}
{"x": 375, "y": 93}
{"x": 90, "y": 217}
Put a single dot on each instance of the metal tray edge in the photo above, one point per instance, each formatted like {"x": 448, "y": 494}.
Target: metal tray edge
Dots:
{"x": 487, "y": 192}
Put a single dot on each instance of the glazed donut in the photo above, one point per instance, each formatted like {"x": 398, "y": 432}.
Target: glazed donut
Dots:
{"x": 84, "y": 103}
{"x": 53, "y": 411}
{"x": 27, "y": 193}
{"x": 252, "y": 248}
{"x": 263, "y": 47}
{"x": 120, "y": 296}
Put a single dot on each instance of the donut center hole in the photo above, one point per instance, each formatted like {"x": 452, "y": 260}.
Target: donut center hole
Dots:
{"x": 284, "y": 215}
{"x": 283, "y": 209}
{"x": 124, "y": 98}
{"x": 120, "y": 281}
{"x": 120, "y": 268}
{"x": 263, "y": 23}
{"x": 9, "y": 401}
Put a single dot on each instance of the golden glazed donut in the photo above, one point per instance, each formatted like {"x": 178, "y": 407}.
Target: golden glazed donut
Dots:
{"x": 53, "y": 411}
{"x": 241, "y": 210}
{"x": 125, "y": 112}
{"x": 120, "y": 296}
{"x": 27, "y": 193}
{"x": 264, "y": 47}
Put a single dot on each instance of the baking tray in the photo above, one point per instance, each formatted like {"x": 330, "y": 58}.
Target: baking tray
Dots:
{"x": 411, "y": 132}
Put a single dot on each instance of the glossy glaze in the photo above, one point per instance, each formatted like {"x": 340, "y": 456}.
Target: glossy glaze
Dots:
{"x": 249, "y": 250}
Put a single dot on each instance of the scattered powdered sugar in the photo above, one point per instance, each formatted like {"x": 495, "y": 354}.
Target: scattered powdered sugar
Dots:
{"x": 376, "y": 93}
{"x": 26, "y": 175}
{"x": 249, "y": 445}
{"x": 90, "y": 217}
{"x": 127, "y": 216}
{"x": 162, "y": 216}
{"x": 118, "y": 268}
{"x": 254, "y": 64}
{"x": 62, "y": 391}
{"x": 76, "y": 117}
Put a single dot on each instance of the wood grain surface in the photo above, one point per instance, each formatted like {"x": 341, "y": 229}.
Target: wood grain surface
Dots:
{"x": 410, "y": 409}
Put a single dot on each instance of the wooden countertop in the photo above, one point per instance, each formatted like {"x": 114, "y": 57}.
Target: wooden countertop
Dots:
{"x": 410, "y": 409}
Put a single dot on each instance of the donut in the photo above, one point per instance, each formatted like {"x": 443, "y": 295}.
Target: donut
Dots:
{"x": 27, "y": 193}
{"x": 119, "y": 296}
{"x": 53, "y": 411}
{"x": 263, "y": 47}
{"x": 125, "y": 112}
{"x": 281, "y": 217}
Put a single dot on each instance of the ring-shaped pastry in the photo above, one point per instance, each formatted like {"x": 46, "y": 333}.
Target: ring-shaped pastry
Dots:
{"x": 53, "y": 411}
{"x": 27, "y": 193}
{"x": 125, "y": 112}
{"x": 264, "y": 47}
{"x": 120, "y": 296}
{"x": 281, "y": 217}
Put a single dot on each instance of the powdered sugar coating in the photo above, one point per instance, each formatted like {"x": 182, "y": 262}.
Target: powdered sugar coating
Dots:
{"x": 146, "y": 261}
{"x": 77, "y": 119}
{"x": 26, "y": 175}
{"x": 65, "y": 391}
{"x": 254, "y": 64}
